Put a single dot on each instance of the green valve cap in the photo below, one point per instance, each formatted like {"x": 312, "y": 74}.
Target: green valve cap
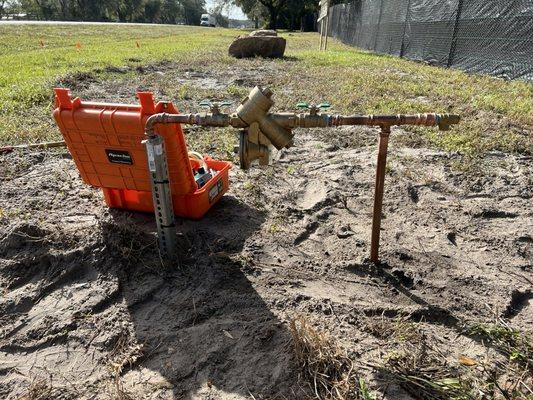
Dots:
{"x": 302, "y": 105}
{"x": 324, "y": 105}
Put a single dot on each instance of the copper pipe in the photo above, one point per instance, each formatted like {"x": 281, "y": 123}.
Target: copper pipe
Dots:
{"x": 288, "y": 121}
{"x": 162, "y": 118}
{"x": 215, "y": 120}
{"x": 291, "y": 120}
{"x": 429, "y": 119}
{"x": 378, "y": 193}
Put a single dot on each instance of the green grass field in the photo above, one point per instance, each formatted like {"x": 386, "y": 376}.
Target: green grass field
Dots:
{"x": 498, "y": 115}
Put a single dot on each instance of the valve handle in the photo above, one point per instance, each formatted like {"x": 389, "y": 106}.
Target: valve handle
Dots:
{"x": 209, "y": 103}
{"x": 324, "y": 105}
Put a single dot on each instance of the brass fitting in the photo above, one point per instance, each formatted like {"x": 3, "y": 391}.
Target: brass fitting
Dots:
{"x": 251, "y": 148}
{"x": 255, "y": 108}
{"x": 264, "y": 128}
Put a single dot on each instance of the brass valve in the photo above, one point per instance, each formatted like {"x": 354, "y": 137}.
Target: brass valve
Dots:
{"x": 255, "y": 109}
{"x": 260, "y": 128}
{"x": 214, "y": 106}
{"x": 263, "y": 128}
{"x": 313, "y": 109}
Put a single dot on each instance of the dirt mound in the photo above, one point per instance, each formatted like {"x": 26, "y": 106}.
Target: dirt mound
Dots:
{"x": 80, "y": 285}
{"x": 89, "y": 310}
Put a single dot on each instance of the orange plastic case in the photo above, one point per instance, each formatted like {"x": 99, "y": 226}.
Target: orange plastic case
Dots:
{"x": 105, "y": 141}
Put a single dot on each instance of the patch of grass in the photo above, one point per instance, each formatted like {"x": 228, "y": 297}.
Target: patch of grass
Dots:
{"x": 41, "y": 389}
{"x": 398, "y": 329}
{"x": 367, "y": 83}
{"x": 29, "y": 71}
{"x": 421, "y": 371}
{"x": 123, "y": 355}
{"x": 220, "y": 145}
{"x": 364, "y": 392}
{"x": 237, "y": 91}
{"x": 497, "y": 114}
{"x": 516, "y": 345}
{"x": 427, "y": 372}
{"x": 325, "y": 365}
{"x": 253, "y": 192}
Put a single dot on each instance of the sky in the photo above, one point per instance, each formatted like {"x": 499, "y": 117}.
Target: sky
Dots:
{"x": 234, "y": 12}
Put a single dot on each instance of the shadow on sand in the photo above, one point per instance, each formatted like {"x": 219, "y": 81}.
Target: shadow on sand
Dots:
{"x": 203, "y": 327}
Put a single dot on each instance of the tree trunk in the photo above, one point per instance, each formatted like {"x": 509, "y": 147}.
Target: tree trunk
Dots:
{"x": 273, "y": 18}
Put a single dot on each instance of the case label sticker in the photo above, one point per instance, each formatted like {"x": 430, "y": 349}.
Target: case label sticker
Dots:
{"x": 119, "y": 157}
{"x": 151, "y": 156}
{"x": 215, "y": 190}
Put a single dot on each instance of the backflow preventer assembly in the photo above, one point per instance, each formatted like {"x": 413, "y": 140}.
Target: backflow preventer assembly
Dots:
{"x": 137, "y": 153}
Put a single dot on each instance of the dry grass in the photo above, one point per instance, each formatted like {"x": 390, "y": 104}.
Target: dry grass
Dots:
{"x": 516, "y": 345}
{"x": 398, "y": 329}
{"x": 413, "y": 362}
{"x": 41, "y": 389}
{"x": 513, "y": 377}
{"x": 124, "y": 355}
{"x": 426, "y": 372}
{"x": 325, "y": 365}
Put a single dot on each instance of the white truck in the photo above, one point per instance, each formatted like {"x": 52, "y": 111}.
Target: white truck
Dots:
{"x": 208, "y": 20}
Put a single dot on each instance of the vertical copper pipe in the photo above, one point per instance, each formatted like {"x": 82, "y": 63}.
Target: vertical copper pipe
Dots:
{"x": 378, "y": 194}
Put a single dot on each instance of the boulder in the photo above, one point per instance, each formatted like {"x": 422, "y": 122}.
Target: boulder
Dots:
{"x": 260, "y": 44}
{"x": 264, "y": 32}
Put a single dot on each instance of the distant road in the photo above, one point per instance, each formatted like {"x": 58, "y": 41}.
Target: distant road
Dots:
{"x": 19, "y": 22}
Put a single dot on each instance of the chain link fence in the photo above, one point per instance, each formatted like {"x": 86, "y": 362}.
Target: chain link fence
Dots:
{"x": 484, "y": 36}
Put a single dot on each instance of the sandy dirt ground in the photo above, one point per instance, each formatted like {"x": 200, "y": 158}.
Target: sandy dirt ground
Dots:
{"x": 88, "y": 306}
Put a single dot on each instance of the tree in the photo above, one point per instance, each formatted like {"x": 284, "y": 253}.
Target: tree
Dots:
{"x": 252, "y": 8}
{"x": 296, "y": 10}
{"x": 277, "y": 13}
{"x": 257, "y": 14}
{"x": 46, "y": 8}
{"x": 170, "y": 12}
{"x": 274, "y": 8}
{"x": 90, "y": 10}
{"x": 165, "y": 11}
{"x": 129, "y": 10}
{"x": 218, "y": 12}
{"x": 66, "y": 8}
{"x": 152, "y": 10}
{"x": 3, "y": 4}
{"x": 192, "y": 11}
